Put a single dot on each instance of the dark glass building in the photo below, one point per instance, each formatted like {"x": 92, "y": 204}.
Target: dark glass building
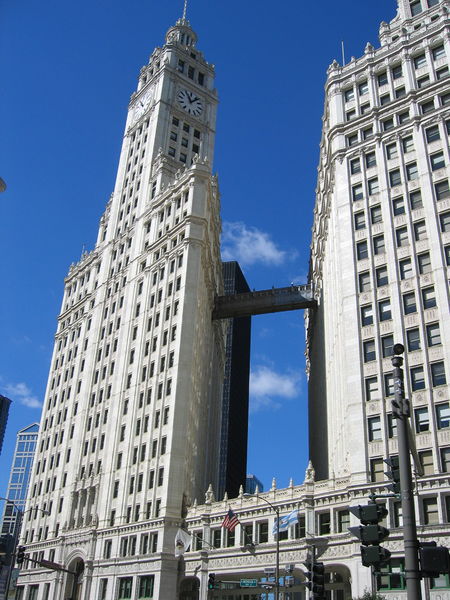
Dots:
{"x": 4, "y": 411}
{"x": 233, "y": 443}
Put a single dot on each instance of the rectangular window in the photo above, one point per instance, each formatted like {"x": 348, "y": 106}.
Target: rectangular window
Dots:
{"x": 324, "y": 523}
{"x": 427, "y": 107}
{"x": 430, "y": 511}
{"x": 377, "y": 470}
{"x": 437, "y": 161}
{"x": 401, "y": 236}
{"x": 392, "y": 426}
{"x": 400, "y": 92}
{"x": 387, "y": 124}
{"x": 360, "y": 221}
{"x": 387, "y": 345}
{"x": 378, "y": 244}
{"x": 371, "y": 160}
{"x": 417, "y": 379}
{"x": 352, "y": 140}
{"x": 438, "y": 374}
{"x": 407, "y": 144}
{"x": 374, "y": 428}
{"x": 442, "y": 73}
{"x": 371, "y": 385}
{"x": 415, "y": 200}
{"x": 394, "y": 177}
{"x": 424, "y": 262}
{"x": 420, "y": 231}
{"x": 413, "y": 339}
{"x": 355, "y": 166}
{"x": 364, "y": 282}
{"x": 438, "y": 52}
{"x": 422, "y": 420}
{"x": 349, "y": 94}
{"x": 444, "y": 219}
{"x": 442, "y": 189}
{"x": 432, "y": 134}
{"x": 125, "y": 588}
{"x": 367, "y": 133}
{"x": 412, "y": 172}
{"x": 373, "y": 186}
{"x": 388, "y": 385}
{"x": 361, "y": 250}
{"x": 382, "y": 276}
{"x": 343, "y": 521}
{"x": 366, "y": 315}
{"x": 447, "y": 255}
{"x": 443, "y": 415}
{"x": 146, "y": 584}
{"x": 384, "y": 310}
{"x": 423, "y": 81}
{"x": 363, "y": 88}
{"x": 429, "y": 297}
{"x": 397, "y": 72}
{"x": 263, "y": 532}
{"x": 382, "y": 79}
{"x": 357, "y": 192}
{"x": 420, "y": 61}
{"x": 369, "y": 350}
{"x": 398, "y": 206}
{"x": 392, "y": 151}
{"x": 445, "y": 460}
{"x": 433, "y": 335}
{"x": 376, "y": 216}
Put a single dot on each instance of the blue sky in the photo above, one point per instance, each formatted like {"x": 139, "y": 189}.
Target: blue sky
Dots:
{"x": 68, "y": 70}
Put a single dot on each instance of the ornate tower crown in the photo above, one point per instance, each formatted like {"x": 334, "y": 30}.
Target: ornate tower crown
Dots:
{"x": 181, "y": 33}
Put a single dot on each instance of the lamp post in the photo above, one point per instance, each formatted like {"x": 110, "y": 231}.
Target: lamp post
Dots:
{"x": 277, "y": 565}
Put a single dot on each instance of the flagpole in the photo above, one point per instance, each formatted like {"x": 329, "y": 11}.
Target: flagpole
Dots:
{"x": 277, "y": 563}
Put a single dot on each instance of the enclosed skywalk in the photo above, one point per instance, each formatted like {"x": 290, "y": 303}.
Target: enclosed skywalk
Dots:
{"x": 262, "y": 302}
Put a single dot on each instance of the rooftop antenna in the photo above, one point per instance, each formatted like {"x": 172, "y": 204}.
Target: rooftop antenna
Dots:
{"x": 185, "y": 10}
{"x": 343, "y": 53}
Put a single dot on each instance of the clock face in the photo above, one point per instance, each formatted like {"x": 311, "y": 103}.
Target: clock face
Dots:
{"x": 142, "y": 104}
{"x": 190, "y": 102}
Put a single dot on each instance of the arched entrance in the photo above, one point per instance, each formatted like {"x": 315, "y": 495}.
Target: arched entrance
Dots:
{"x": 189, "y": 588}
{"x": 74, "y": 582}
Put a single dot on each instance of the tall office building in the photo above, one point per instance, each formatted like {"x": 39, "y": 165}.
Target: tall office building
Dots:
{"x": 19, "y": 476}
{"x": 4, "y": 411}
{"x": 380, "y": 253}
{"x": 233, "y": 440}
{"x": 132, "y": 414}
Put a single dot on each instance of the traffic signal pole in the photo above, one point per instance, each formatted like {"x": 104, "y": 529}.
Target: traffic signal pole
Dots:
{"x": 401, "y": 411}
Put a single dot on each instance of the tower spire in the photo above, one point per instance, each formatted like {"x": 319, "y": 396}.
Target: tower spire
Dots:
{"x": 185, "y": 9}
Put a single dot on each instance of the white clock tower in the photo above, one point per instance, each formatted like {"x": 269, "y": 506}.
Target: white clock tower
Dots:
{"x": 131, "y": 422}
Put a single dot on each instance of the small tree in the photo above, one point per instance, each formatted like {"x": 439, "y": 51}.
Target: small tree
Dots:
{"x": 367, "y": 595}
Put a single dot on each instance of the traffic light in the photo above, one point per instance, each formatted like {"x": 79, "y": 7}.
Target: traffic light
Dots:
{"x": 316, "y": 578}
{"x": 371, "y": 534}
{"x": 20, "y": 555}
{"x": 212, "y": 581}
{"x": 393, "y": 474}
{"x": 434, "y": 560}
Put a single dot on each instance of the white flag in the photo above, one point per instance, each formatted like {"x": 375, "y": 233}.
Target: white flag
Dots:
{"x": 183, "y": 541}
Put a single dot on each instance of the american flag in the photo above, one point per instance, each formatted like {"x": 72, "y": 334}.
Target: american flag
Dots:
{"x": 230, "y": 521}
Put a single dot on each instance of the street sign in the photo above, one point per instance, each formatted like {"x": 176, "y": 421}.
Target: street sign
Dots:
{"x": 249, "y": 583}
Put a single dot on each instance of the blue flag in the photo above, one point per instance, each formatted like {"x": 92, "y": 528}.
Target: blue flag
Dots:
{"x": 285, "y": 522}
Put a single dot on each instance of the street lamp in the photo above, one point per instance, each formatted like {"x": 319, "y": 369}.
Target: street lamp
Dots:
{"x": 277, "y": 566}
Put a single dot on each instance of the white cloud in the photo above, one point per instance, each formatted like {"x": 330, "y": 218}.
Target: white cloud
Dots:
{"x": 249, "y": 245}
{"x": 20, "y": 392}
{"x": 267, "y": 387}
